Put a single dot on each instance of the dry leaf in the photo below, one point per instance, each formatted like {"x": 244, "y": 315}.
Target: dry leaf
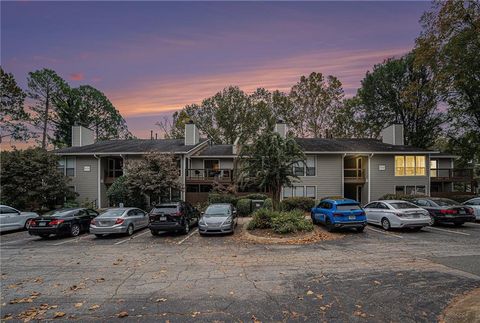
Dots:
{"x": 58, "y": 314}
{"x": 376, "y": 282}
{"x": 78, "y": 305}
{"x": 194, "y": 314}
{"x": 94, "y": 307}
{"x": 122, "y": 314}
{"x": 360, "y": 313}
{"x": 100, "y": 280}
{"x": 309, "y": 292}
{"x": 8, "y": 316}
{"x": 161, "y": 300}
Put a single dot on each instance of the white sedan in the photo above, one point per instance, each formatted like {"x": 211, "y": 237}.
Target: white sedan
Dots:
{"x": 397, "y": 214}
{"x": 13, "y": 219}
{"x": 475, "y": 205}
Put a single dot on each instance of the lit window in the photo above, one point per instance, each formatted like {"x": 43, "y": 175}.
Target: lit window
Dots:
{"x": 420, "y": 165}
{"x": 410, "y": 165}
{"x": 399, "y": 165}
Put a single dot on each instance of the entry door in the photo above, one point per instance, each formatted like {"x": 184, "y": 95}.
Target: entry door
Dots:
{"x": 359, "y": 194}
{"x": 359, "y": 168}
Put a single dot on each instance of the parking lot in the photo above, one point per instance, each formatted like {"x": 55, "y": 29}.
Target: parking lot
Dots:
{"x": 372, "y": 276}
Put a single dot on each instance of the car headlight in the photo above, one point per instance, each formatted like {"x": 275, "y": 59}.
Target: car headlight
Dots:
{"x": 227, "y": 221}
{"x": 202, "y": 222}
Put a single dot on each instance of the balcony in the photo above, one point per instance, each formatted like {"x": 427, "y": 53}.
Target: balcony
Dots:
{"x": 354, "y": 175}
{"x": 451, "y": 174}
{"x": 209, "y": 175}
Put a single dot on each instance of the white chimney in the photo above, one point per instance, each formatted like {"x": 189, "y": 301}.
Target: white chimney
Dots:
{"x": 82, "y": 136}
{"x": 393, "y": 135}
{"x": 192, "y": 134}
{"x": 281, "y": 128}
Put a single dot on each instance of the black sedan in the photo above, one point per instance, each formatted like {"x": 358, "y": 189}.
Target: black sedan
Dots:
{"x": 63, "y": 222}
{"x": 444, "y": 210}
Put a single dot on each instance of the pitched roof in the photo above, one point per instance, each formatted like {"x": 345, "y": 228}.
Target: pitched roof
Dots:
{"x": 217, "y": 150}
{"x": 129, "y": 146}
{"x": 352, "y": 145}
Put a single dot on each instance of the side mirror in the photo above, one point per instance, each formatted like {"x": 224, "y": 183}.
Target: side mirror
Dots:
{"x": 202, "y": 213}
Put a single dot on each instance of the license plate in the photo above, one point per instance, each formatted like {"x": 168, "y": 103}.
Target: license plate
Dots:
{"x": 351, "y": 217}
{"x": 462, "y": 212}
{"x": 163, "y": 218}
{"x": 42, "y": 224}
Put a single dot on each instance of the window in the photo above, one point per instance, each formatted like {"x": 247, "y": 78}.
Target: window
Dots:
{"x": 310, "y": 167}
{"x": 7, "y": 210}
{"x": 410, "y": 190}
{"x": 299, "y": 191}
{"x": 306, "y": 168}
{"x": 310, "y": 192}
{"x": 433, "y": 168}
{"x": 399, "y": 190}
{"x": 287, "y": 192}
{"x": 66, "y": 166}
{"x": 348, "y": 207}
{"x": 115, "y": 167}
{"x": 410, "y": 165}
{"x": 299, "y": 169}
{"x": 422, "y": 203}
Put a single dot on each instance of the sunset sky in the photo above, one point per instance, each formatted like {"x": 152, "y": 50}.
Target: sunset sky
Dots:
{"x": 151, "y": 58}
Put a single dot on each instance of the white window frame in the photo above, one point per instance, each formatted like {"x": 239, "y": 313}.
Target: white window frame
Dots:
{"x": 293, "y": 188}
{"x": 414, "y": 167}
{"x": 304, "y": 165}
{"x": 64, "y": 170}
{"x": 405, "y": 188}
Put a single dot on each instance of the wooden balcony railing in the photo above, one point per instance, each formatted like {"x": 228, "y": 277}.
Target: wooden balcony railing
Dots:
{"x": 209, "y": 174}
{"x": 451, "y": 174}
{"x": 354, "y": 173}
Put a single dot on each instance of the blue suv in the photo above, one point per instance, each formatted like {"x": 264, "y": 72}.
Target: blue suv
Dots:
{"x": 342, "y": 213}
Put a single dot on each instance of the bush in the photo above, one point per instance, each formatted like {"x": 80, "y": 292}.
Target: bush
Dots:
{"x": 333, "y": 197}
{"x": 118, "y": 193}
{"x": 290, "y": 222}
{"x": 268, "y": 204}
{"x": 400, "y": 197}
{"x": 297, "y": 203}
{"x": 262, "y": 219}
{"x": 221, "y": 198}
{"x": 256, "y": 196}
{"x": 244, "y": 207}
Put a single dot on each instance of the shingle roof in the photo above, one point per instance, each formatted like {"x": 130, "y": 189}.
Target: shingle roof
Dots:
{"x": 352, "y": 145}
{"x": 217, "y": 150}
{"x": 129, "y": 146}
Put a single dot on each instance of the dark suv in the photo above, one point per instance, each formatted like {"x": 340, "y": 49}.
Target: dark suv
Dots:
{"x": 175, "y": 216}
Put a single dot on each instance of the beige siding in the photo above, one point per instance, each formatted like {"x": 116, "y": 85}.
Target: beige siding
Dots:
{"x": 86, "y": 182}
{"x": 384, "y": 182}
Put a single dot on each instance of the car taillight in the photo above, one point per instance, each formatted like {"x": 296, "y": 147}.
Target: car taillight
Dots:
{"x": 56, "y": 222}
{"x": 178, "y": 213}
{"x": 448, "y": 211}
{"x": 32, "y": 223}
{"x": 119, "y": 221}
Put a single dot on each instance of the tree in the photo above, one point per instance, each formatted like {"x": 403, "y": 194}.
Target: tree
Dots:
{"x": 348, "y": 120}
{"x": 88, "y": 107}
{"x": 45, "y": 86}
{"x": 315, "y": 99}
{"x": 153, "y": 176}
{"x": 31, "y": 180}
{"x": 13, "y": 116}
{"x": 268, "y": 163}
{"x": 174, "y": 127}
{"x": 450, "y": 45}
{"x": 118, "y": 193}
{"x": 399, "y": 91}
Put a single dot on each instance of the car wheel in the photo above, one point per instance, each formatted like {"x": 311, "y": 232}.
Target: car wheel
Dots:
{"x": 74, "y": 230}
{"x": 329, "y": 225}
{"x": 44, "y": 236}
{"x": 154, "y": 232}
{"x": 385, "y": 224}
{"x": 130, "y": 230}
{"x": 186, "y": 227}
{"x": 25, "y": 227}
{"x": 360, "y": 229}
{"x": 99, "y": 235}
{"x": 432, "y": 220}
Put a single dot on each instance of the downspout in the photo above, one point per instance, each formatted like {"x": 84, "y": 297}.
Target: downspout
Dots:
{"x": 368, "y": 178}
{"x": 343, "y": 174}
{"x": 99, "y": 194}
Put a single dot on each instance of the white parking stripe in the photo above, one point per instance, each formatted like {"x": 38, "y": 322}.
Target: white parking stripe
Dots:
{"x": 385, "y": 233}
{"x": 132, "y": 237}
{"x": 184, "y": 239}
{"x": 66, "y": 241}
{"x": 473, "y": 223}
{"x": 450, "y": 231}
{"x": 15, "y": 241}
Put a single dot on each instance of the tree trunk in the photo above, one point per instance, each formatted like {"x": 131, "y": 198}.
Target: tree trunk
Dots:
{"x": 45, "y": 121}
{"x": 276, "y": 199}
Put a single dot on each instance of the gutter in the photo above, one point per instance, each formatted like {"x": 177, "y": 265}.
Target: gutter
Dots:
{"x": 368, "y": 178}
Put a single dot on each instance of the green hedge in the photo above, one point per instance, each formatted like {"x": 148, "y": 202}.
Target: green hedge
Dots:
{"x": 268, "y": 204}
{"x": 221, "y": 198}
{"x": 244, "y": 207}
{"x": 333, "y": 197}
{"x": 255, "y": 196}
{"x": 400, "y": 197}
{"x": 280, "y": 222}
{"x": 262, "y": 219}
{"x": 297, "y": 203}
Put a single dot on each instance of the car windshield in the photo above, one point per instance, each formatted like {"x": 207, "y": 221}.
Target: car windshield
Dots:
{"x": 403, "y": 205}
{"x": 165, "y": 209}
{"x": 115, "y": 213}
{"x": 445, "y": 202}
{"x": 59, "y": 213}
{"x": 218, "y": 210}
{"x": 348, "y": 207}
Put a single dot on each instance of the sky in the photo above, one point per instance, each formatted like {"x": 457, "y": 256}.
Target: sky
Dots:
{"x": 151, "y": 58}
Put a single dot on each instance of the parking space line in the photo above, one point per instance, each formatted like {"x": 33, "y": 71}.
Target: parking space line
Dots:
{"x": 450, "y": 231}
{"x": 131, "y": 238}
{"x": 184, "y": 239}
{"x": 65, "y": 241}
{"x": 385, "y": 233}
{"x": 14, "y": 241}
{"x": 473, "y": 223}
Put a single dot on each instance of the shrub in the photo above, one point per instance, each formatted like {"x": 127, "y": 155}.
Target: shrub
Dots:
{"x": 221, "y": 198}
{"x": 400, "y": 197}
{"x": 268, "y": 204}
{"x": 297, "y": 203}
{"x": 256, "y": 196}
{"x": 262, "y": 219}
{"x": 289, "y": 222}
{"x": 244, "y": 207}
{"x": 333, "y": 197}
{"x": 118, "y": 193}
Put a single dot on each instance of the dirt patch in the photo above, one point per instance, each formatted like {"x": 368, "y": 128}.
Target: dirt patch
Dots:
{"x": 463, "y": 309}
{"x": 269, "y": 237}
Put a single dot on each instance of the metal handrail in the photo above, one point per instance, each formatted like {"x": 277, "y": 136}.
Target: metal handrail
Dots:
{"x": 449, "y": 173}
{"x": 357, "y": 173}
{"x": 209, "y": 173}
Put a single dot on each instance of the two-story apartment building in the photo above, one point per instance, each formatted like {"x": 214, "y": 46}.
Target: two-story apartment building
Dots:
{"x": 362, "y": 169}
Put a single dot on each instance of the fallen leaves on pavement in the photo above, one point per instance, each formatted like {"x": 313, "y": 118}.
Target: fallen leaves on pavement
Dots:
{"x": 122, "y": 314}
{"x": 94, "y": 307}
{"x": 78, "y": 305}
{"x": 58, "y": 314}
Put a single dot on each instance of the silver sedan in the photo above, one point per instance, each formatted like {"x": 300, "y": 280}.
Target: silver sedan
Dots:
{"x": 397, "y": 214}
{"x": 13, "y": 219}
{"x": 119, "y": 220}
{"x": 218, "y": 219}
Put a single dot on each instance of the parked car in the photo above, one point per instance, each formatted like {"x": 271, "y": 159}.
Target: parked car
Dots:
{"x": 62, "y": 222}
{"x": 13, "y": 219}
{"x": 444, "y": 210}
{"x": 218, "y": 218}
{"x": 119, "y": 220}
{"x": 397, "y": 214}
{"x": 176, "y": 217}
{"x": 341, "y": 213}
{"x": 475, "y": 205}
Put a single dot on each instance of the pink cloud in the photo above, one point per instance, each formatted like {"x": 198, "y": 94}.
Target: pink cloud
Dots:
{"x": 77, "y": 76}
